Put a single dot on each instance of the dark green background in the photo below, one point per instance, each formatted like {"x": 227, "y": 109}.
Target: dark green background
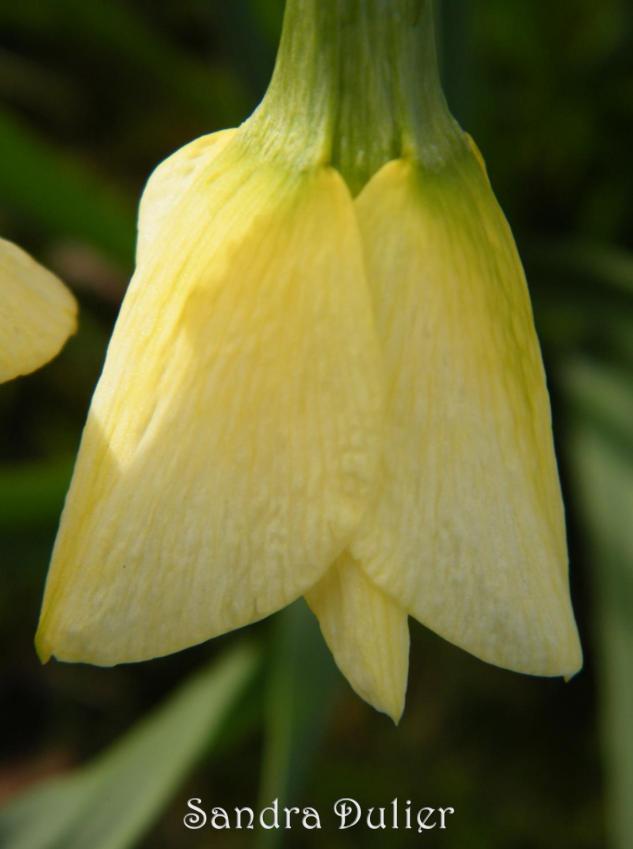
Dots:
{"x": 93, "y": 95}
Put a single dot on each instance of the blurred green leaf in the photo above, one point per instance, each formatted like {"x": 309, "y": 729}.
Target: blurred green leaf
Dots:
{"x": 212, "y": 92}
{"x": 602, "y": 452}
{"x": 61, "y": 195}
{"x": 31, "y": 494}
{"x": 587, "y": 263}
{"x": 268, "y": 15}
{"x": 303, "y": 684}
{"x": 111, "y": 802}
{"x": 23, "y": 80}
{"x": 583, "y": 295}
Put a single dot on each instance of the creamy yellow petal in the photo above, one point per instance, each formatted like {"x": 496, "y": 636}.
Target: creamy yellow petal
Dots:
{"x": 169, "y": 183}
{"x": 469, "y": 531}
{"x": 367, "y": 632}
{"x": 37, "y": 313}
{"x": 232, "y": 441}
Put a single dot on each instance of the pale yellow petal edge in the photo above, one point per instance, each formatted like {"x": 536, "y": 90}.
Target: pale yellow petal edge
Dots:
{"x": 37, "y": 313}
{"x": 367, "y": 633}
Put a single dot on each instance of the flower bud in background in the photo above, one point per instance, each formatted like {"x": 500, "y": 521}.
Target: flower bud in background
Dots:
{"x": 324, "y": 381}
{"x": 37, "y": 313}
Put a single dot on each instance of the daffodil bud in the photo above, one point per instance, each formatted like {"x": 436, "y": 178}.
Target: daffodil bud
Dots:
{"x": 324, "y": 381}
{"x": 37, "y": 313}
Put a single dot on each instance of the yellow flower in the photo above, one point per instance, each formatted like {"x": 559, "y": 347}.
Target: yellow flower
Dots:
{"x": 311, "y": 393}
{"x": 37, "y": 313}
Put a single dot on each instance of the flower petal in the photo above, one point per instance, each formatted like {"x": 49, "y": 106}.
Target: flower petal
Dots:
{"x": 469, "y": 531}
{"x": 367, "y": 633}
{"x": 169, "y": 183}
{"x": 37, "y": 313}
{"x": 233, "y": 437}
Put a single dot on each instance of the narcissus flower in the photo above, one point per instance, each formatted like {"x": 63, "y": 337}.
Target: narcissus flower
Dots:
{"x": 37, "y": 313}
{"x": 324, "y": 381}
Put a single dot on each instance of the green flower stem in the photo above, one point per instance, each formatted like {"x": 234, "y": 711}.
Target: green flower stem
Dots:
{"x": 356, "y": 84}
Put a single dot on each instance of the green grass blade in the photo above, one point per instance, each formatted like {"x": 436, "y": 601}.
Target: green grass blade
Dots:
{"x": 602, "y": 454}
{"x": 110, "y": 803}
{"x": 303, "y": 684}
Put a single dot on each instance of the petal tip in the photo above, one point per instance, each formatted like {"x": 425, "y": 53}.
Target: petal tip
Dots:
{"x": 367, "y": 633}
{"x": 42, "y": 648}
{"x": 576, "y": 662}
{"x": 395, "y": 711}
